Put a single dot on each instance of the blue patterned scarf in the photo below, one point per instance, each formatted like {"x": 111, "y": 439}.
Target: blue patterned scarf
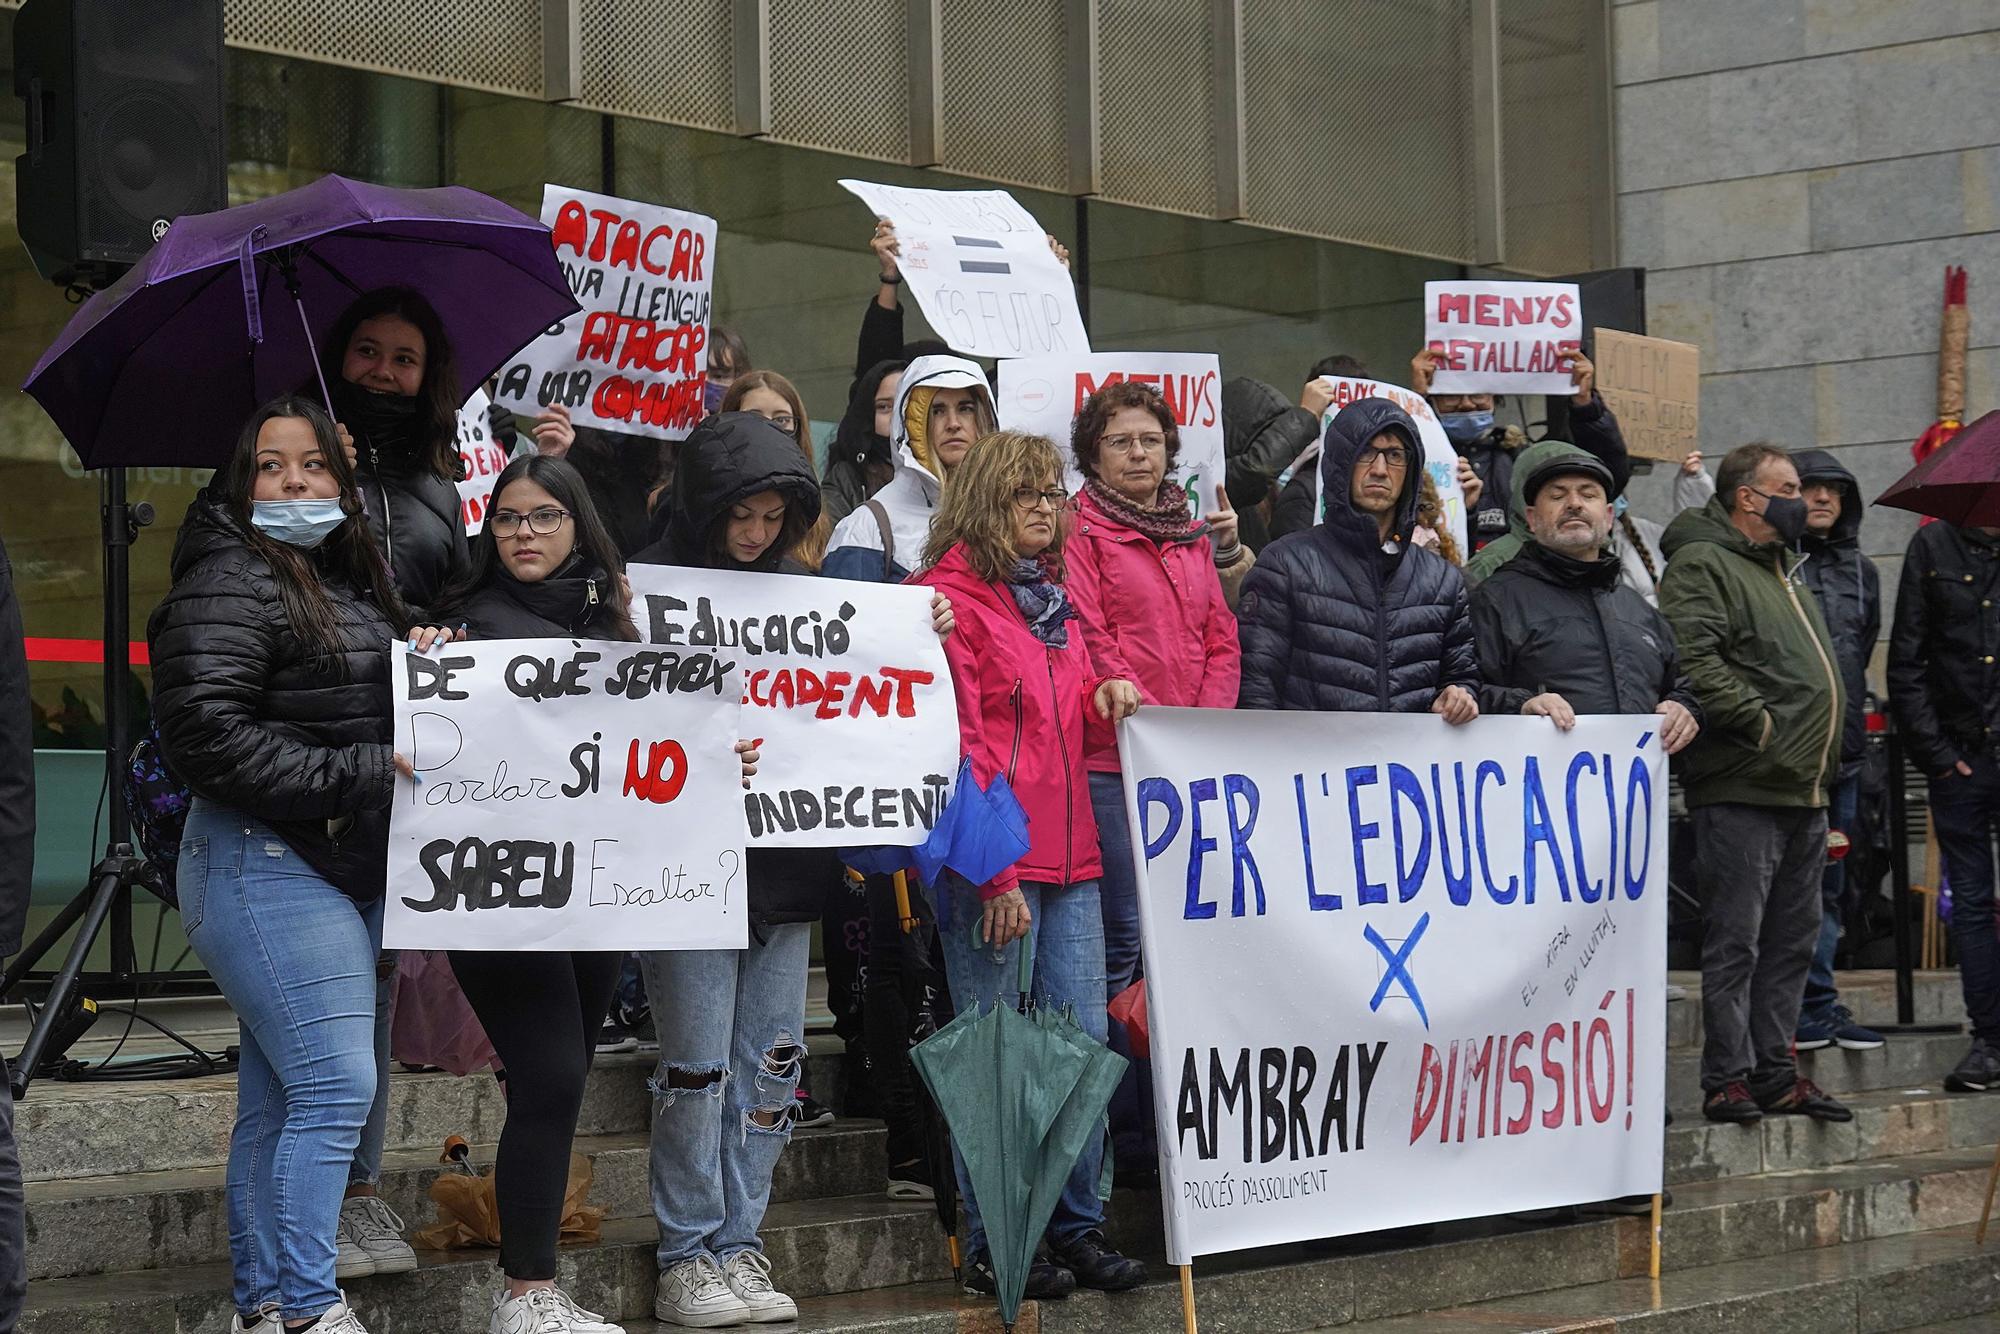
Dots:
{"x": 1043, "y": 603}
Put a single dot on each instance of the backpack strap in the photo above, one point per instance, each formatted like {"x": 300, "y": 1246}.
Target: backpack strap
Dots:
{"x": 881, "y": 513}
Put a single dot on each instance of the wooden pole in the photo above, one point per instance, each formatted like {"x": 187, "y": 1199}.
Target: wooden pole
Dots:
{"x": 1653, "y": 1261}
{"x": 1986, "y": 1213}
{"x": 1187, "y": 1298}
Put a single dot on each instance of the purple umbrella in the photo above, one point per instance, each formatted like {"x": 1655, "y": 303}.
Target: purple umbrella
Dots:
{"x": 164, "y": 366}
{"x": 1960, "y": 482}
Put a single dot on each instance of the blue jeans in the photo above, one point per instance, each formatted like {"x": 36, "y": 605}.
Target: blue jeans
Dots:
{"x": 1821, "y": 994}
{"x": 366, "y": 1169}
{"x": 1067, "y": 928}
{"x": 1965, "y": 812}
{"x": 295, "y": 958}
{"x": 731, "y": 1044}
{"x": 1132, "y": 1122}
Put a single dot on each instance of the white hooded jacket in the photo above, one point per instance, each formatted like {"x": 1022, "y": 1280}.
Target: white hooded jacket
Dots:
{"x": 855, "y": 551}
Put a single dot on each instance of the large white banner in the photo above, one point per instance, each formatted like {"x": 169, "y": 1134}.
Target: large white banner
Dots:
{"x": 481, "y": 460}
{"x": 1440, "y": 459}
{"x": 1501, "y": 337}
{"x": 845, "y": 690}
{"x": 635, "y": 359}
{"x": 1043, "y": 395}
{"x": 575, "y": 796}
{"x": 1393, "y": 991}
{"x": 980, "y": 268}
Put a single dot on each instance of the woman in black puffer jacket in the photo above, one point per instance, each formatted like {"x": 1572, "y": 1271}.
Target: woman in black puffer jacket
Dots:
{"x": 1349, "y": 615}
{"x": 271, "y": 686}
{"x": 543, "y": 567}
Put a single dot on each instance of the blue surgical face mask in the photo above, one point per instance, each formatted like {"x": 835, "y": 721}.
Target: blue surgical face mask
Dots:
{"x": 1462, "y": 428}
{"x": 298, "y": 523}
{"x": 1619, "y": 506}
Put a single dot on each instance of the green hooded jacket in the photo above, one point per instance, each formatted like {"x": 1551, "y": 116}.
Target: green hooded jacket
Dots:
{"x": 1759, "y": 656}
{"x": 1501, "y": 549}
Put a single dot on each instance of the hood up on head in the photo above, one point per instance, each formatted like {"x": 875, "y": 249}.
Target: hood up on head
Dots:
{"x": 1354, "y": 426}
{"x": 854, "y": 439}
{"x": 1817, "y": 465}
{"x": 909, "y": 424}
{"x": 731, "y": 456}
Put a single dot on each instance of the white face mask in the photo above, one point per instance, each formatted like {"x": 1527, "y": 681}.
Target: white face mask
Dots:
{"x": 299, "y": 523}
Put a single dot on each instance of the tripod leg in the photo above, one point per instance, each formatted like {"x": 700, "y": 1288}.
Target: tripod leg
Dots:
{"x": 110, "y": 881}
{"x": 42, "y": 944}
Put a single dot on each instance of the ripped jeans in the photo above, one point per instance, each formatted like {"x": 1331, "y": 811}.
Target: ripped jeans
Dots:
{"x": 732, "y": 1041}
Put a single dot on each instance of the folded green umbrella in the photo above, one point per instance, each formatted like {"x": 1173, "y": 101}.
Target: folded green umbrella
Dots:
{"x": 1022, "y": 1094}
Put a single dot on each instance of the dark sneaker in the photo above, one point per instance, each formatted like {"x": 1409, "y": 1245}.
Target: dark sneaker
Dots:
{"x": 911, "y": 1181}
{"x": 1805, "y": 1098}
{"x": 1046, "y": 1282}
{"x": 1096, "y": 1265}
{"x": 1978, "y": 1072}
{"x": 809, "y": 1112}
{"x": 1813, "y": 1034}
{"x": 616, "y": 1037}
{"x": 1852, "y": 1036}
{"x": 1732, "y": 1102}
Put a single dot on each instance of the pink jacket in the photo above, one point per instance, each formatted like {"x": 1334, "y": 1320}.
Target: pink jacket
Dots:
{"x": 1026, "y": 710}
{"x": 1152, "y": 614}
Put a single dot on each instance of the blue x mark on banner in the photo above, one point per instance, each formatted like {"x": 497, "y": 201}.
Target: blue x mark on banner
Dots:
{"x": 1398, "y": 969}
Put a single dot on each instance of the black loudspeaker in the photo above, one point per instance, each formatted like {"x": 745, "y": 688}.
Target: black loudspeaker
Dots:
{"x": 1612, "y": 299}
{"x": 124, "y": 128}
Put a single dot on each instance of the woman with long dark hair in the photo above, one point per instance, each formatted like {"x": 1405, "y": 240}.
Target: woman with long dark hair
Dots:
{"x": 775, "y": 399}
{"x": 543, "y": 567}
{"x": 272, "y": 690}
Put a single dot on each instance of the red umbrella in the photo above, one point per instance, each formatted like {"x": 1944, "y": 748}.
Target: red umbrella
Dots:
{"x": 1960, "y": 482}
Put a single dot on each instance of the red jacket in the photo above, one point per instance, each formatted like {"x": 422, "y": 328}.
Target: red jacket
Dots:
{"x": 1153, "y": 614}
{"x": 1026, "y": 710}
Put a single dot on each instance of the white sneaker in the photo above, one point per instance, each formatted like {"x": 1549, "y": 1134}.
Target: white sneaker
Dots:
{"x": 259, "y": 1323}
{"x": 544, "y": 1311}
{"x": 694, "y": 1294}
{"x": 369, "y": 1240}
{"x": 339, "y": 1319}
{"x": 748, "y": 1274}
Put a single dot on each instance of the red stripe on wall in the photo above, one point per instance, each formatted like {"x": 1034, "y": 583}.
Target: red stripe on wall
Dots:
{"x": 81, "y": 650}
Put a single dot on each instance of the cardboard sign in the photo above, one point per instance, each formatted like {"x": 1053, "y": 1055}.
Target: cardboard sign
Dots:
{"x": 481, "y": 460}
{"x": 1653, "y": 387}
{"x": 1044, "y": 394}
{"x": 980, "y": 268}
{"x": 845, "y": 688}
{"x": 635, "y": 358}
{"x": 576, "y": 796}
{"x": 1440, "y": 459}
{"x": 1501, "y": 338}
{"x": 1398, "y": 971}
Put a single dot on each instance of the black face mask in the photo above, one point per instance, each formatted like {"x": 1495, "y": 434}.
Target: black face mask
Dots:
{"x": 383, "y": 423}
{"x": 1787, "y": 514}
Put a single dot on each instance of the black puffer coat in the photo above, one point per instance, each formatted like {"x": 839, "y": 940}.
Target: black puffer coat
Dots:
{"x": 1262, "y": 432}
{"x": 1849, "y": 589}
{"x": 1546, "y": 623}
{"x": 729, "y": 457}
{"x": 573, "y": 603}
{"x": 1944, "y": 648}
{"x": 253, "y": 721}
{"x": 1330, "y": 621}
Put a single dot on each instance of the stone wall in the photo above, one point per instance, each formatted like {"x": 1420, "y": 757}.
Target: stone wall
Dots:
{"x": 1795, "y": 175}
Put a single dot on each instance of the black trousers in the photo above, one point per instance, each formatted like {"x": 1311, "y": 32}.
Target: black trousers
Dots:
{"x": 542, "y": 1011}
{"x": 907, "y": 1001}
{"x": 13, "y": 1215}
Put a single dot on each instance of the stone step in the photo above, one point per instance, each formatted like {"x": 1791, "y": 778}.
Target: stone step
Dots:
{"x": 818, "y": 1246}
{"x": 69, "y": 1131}
{"x": 1888, "y": 1284}
{"x": 1886, "y": 1123}
{"x": 160, "y": 1220}
{"x": 1909, "y": 1061}
{"x": 1869, "y": 993}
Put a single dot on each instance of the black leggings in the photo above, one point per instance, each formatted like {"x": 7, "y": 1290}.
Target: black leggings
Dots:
{"x": 542, "y": 1012}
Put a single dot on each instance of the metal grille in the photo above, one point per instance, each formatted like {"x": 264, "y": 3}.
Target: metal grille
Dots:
{"x": 670, "y": 60}
{"x": 840, "y": 76}
{"x": 1156, "y": 103}
{"x": 1550, "y": 115}
{"x": 1360, "y": 129}
{"x": 494, "y": 44}
{"x": 1004, "y": 86}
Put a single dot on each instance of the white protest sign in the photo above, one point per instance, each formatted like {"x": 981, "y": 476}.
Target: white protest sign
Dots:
{"x": 635, "y": 358}
{"x": 1042, "y": 395}
{"x": 481, "y": 460}
{"x": 1501, "y": 337}
{"x": 1387, "y": 991}
{"x": 981, "y": 270}
{"x": 1440, "y": 459}
{"x": 845, "y": 689}
{"x": 576, "y": 796}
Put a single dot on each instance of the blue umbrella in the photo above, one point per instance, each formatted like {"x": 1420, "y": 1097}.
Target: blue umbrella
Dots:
{"x": 226, "y": 311}
{"x": 979, "y": 833}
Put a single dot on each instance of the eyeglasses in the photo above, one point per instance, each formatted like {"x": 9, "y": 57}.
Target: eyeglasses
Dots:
{"x": 1122, "y": 444}
{"x": 1395, "y": 458}
{"x": 545, "y": 522}
{"x": 784, "y": 421}
{"x": 1027, "y": 498}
